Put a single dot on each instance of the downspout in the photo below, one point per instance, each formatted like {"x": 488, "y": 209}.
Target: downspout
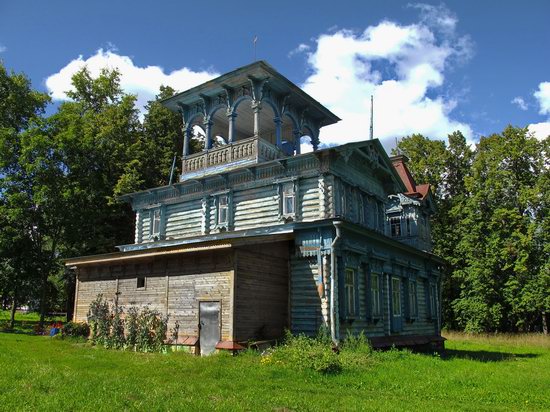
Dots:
{"x": 333, "y": 331}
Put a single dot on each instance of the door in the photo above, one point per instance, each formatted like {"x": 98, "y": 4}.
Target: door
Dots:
{"x": 209, "y": 326}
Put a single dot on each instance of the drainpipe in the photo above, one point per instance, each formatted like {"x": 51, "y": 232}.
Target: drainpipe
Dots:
{"x": 333, "y": 331}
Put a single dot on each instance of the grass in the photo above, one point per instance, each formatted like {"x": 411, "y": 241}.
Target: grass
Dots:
{"x": 25, "y": 322}
{"x": 476, "y": 373}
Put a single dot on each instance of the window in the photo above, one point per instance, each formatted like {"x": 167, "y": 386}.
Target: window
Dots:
{"x": 432, "y": 301}
{"x": 223, "y": 210}
{"x": 140, "y": 283}
{"x": 360, "y": 209}
{"x": 381, "y": 217}
{"x": 375, "y": 294}
{"x": 155, "y": 223}
{"x": 349, "y": 286}
{"x": 412, "y": 299}
{"x": 396, "y": 296}
{"x": 288, "y": 199}
{"x": 408, "y": 226}
{"x": 395, "y": 226}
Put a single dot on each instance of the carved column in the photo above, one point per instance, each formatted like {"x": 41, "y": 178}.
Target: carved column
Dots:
{"x": 256, "y": 108}
{"x": 297, "y": 135}
{"x": 208, "y": 131}
{"x": 186, "y": 136}
{"x": 278, "y": 125}
{"x": 231, "y": 115}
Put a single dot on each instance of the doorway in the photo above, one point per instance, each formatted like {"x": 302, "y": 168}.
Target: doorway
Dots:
{"x": 209, "y": 326}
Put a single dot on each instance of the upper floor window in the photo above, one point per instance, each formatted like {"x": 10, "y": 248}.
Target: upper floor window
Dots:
{"x": 396, "y": 296}
{"x": 349, "y": 286}
{"x": 375, "y": 294}
{"x": 155, "y": 223}
{"x": 289, "y": 199}
{"x": 223, "y": 210}
{"x": 395, "y": 226}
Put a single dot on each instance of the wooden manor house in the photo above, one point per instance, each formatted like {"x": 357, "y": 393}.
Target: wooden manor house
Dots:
{"x": 257, "y": 237}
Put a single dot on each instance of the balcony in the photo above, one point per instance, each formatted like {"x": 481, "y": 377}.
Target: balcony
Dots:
{"x": 244, "y": 152}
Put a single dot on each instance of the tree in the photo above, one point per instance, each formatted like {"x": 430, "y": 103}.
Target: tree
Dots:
{"x": 20, "y": 107}
{"x": 503, "y": 284}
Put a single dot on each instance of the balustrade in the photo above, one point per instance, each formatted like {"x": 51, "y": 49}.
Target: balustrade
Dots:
{"x": 252, "y": 150}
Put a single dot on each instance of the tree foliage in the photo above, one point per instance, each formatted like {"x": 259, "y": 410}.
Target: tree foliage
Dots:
{"x": 491, "y": 226}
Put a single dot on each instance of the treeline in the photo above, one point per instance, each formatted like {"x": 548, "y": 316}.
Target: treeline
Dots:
{"x": 60, "y": 176}
{"x": 491, "y": 226}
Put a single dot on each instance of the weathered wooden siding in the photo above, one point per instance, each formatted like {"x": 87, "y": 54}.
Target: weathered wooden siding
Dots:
{"x": 305, "y": 300}
{"x": 91, "y": 282}
{"x": 261, "y": 292}
{"x": 174, "y": 286}
{"x": 256, "y": 207}
{"x": 183, "y": 219}
{"x": 308, "y": 199}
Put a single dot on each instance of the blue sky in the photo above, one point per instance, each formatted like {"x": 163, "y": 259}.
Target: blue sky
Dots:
{"x": 433, "y": 67}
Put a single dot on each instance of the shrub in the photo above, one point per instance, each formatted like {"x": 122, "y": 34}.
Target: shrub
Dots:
{"x": 99, "y": 318}
{"x": 303, "y": 352}
{"x": 76, "y": 330}
{"x": 143, "y": 331}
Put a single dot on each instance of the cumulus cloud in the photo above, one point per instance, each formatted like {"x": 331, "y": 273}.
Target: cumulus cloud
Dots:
{"x": 402, "y": 66}
{"x": 520, "y": 102}
{"x": 542, "y": 130}
{"x": 543, "y": 97}
{"x": 141, "y": 81}
{"x": 3, "y": 48}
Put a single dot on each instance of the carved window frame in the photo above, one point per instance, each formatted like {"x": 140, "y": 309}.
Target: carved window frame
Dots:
{"x": 284, "y": 215}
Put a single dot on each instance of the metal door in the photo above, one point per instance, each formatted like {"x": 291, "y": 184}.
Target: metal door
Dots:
{"x": 209, "y": 326}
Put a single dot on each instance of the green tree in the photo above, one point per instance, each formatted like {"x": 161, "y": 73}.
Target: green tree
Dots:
{"x": 503, "y": 284}
{"x": 20, "y": 108}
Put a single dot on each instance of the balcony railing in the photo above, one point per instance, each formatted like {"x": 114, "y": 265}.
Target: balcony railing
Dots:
{"x": 243, "y": 152}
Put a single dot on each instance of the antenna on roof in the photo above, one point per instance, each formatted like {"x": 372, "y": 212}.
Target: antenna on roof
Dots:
{"x": 371, "y": 117}
{"x": 255, "y": 41}
{"x": 172, "y": 169}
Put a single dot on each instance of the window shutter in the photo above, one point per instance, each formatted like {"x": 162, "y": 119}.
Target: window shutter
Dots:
{"x": 407, "y": 311}
{"x": 368, "y": 292}
{"x": 381, "y": 295}
{"x": 356, "y": 294}
{"x": 341, "y": 287}
{"x": 427, "y": 298}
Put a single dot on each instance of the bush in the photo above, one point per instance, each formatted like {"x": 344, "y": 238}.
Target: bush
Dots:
{"x": 76, "y": 330}
{"x": 142, "y": 331}
{"x": 304, "y": 353}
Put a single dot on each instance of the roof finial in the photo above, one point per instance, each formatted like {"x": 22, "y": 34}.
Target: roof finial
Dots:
{"x": 371, "y": 117}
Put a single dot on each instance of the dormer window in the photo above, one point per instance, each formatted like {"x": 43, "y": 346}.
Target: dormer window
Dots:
{"x": 395, "y": 226}
{"x": 289, "y": 199}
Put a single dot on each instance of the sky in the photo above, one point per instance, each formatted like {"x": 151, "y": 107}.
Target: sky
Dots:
{"x": 432, "y": 67}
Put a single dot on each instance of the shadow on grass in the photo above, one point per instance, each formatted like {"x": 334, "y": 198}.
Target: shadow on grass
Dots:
{"x": 483, "y": 355}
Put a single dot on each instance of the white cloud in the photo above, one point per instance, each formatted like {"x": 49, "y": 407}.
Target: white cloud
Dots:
{"x": 300, "y": 49}
{"x": 403, "y": 66}
{"x": 543, "y": 97}
{"x": 142, "y": 81}
{"x": 542, "y": 130}
{"x": 520, "y": 102}
{"x": 3, "y": 48}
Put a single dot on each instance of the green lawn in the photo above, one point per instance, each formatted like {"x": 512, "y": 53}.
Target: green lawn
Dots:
{"x": 484, "y": 373}
{"x": 25, "y": 322}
